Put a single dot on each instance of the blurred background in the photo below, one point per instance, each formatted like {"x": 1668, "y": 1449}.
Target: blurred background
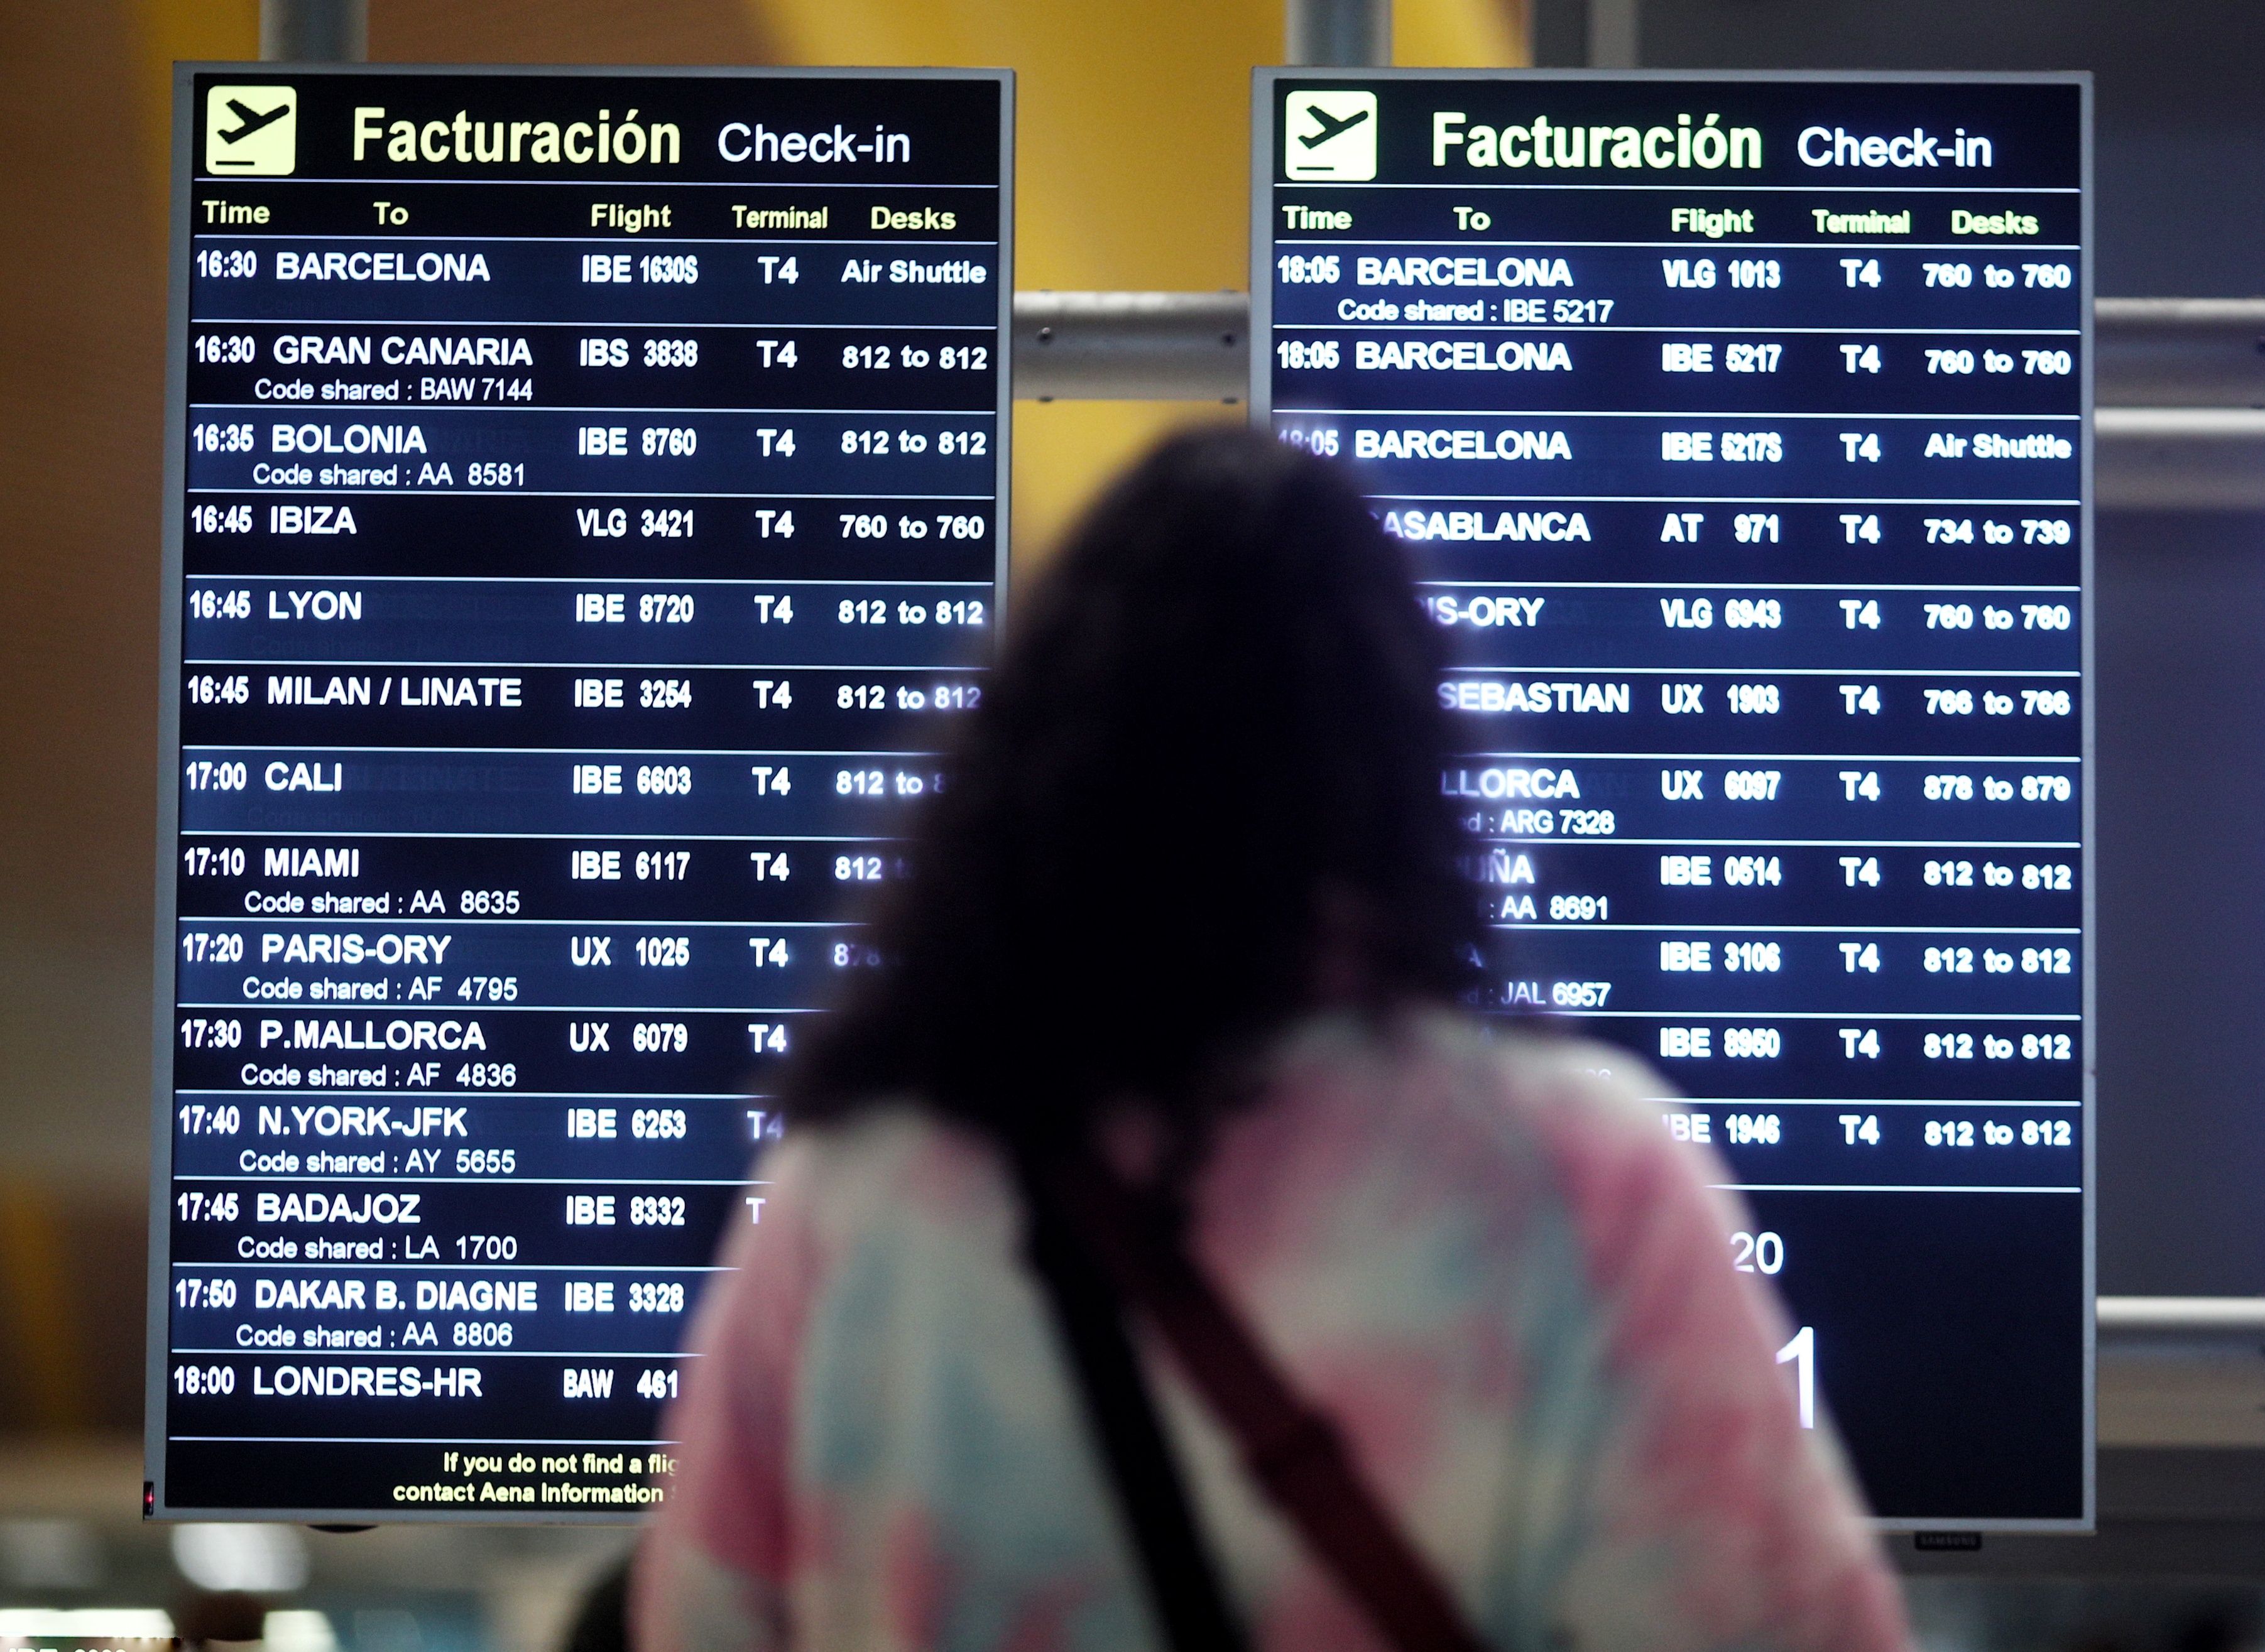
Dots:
{"x": 84, "y": 92}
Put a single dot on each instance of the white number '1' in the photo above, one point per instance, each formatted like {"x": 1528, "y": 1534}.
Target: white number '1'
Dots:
{"x": 1800, "y": 1354}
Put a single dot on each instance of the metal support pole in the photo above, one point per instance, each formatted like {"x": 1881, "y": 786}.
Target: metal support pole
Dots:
{"x": 2138, "y": 1319}
{"x": 2179, "y": 352}
{"x": 2153, "y": 352}
{"x": 2181, "y": 1371}
{"x": 1615, "y": 34}
{"x": 314, "y": 31}
{"x": 2180, "y": 382}
{"x": 2179, "y": 458}
{"x": 1133, "y": 346}
{"x": 1557, "y": 33}
{"x": 1338, "y": 34}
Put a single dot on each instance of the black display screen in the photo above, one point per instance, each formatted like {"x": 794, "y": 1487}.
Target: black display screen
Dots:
{"x": 585, "y": 524}
{"x": 1738, "y": 428}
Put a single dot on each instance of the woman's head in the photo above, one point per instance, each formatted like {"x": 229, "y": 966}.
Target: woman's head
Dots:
{"x": 1200, "y": 796}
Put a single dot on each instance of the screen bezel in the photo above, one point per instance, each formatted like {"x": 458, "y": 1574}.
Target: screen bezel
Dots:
{"x": 1266, "y": 88}
{"x": 158, "y": 1353}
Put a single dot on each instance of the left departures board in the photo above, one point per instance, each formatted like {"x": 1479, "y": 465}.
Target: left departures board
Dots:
{"x": 586, "y": 522}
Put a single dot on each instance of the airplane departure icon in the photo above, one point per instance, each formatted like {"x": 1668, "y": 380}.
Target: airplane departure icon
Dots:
{"x": 1334, "y": 133}
{"x": 1327, "y": 128}
{"x": 251, "y": 131}
{"x": 252, "y": 119}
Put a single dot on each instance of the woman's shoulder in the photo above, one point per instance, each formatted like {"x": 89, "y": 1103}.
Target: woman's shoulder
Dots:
{"x": 1436, "y": 1105}
{"x": 891, "y": 1184}
{"x": 1438, "y": 1071}
{"x": 891, "y": 1164}
{"x": 1429, "y": 1111}
{"x": 1537, "y": 1066}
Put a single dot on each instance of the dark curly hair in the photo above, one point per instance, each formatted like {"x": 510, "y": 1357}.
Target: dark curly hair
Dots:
{"x": 1200, "y": 796}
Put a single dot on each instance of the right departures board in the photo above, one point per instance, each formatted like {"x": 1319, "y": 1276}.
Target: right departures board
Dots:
{"x": 1737, "y": 426}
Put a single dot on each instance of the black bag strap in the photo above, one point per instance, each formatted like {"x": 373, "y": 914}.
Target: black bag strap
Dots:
{"x": 1184, "y": 1586}
{"x": 1294, "y": 1451}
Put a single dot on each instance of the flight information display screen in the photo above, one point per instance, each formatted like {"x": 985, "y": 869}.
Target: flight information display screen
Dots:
{"x": 586, "y": 522}
{"x": 1737, "y": 429}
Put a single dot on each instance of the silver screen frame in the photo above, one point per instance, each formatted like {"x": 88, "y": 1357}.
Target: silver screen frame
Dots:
{"x": 1266, "y": 84}
{"x": 155, "y": 1505}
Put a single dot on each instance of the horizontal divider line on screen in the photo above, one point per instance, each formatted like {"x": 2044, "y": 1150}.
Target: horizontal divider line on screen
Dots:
{"x": 458, "y": 323}
{"x": 1749, "y": 671}
{"x": 1616, "y": 326}
{"x": 569, "y": 751}
{"x": 616, "y": 410}
{"x": 1850, "y": 1101}
{"x": 1773, "y": 843}
{"x": 1747, "y": 929}
{"x": 1600, "y": 326}
{"x": 592, "y": 923}
{"x": 640, "y": 1441}
{"x": 1673, "y": 189}
{"x": 1602, "y": 498}
{"x": 484, "y": 1267}
{"x": 1843, "y": 415}
{"x": 596, "y": 493}
{"x": 582, "y": 664}
{"x": 1884, "y": 1187}
{"x": 389, "y": 1355}
{"x": 1809, "y": 1015}
{"x": 767, "y": 752}
{"x": 282, "y": 1092}
{"x": 1725, "y": 584}
{"x": 646, "y": 239}
{"x": 699, "y": 1009}
{"x": 806, "y": 187}
{"x": 563, "y": 665}
{"x": 559, "y": 837}
{"x": 1346, "y": 238}
{"x": 510, "y": 1181}
{"x": 637, "y": 580}
{"x": 1524, "y": 756}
